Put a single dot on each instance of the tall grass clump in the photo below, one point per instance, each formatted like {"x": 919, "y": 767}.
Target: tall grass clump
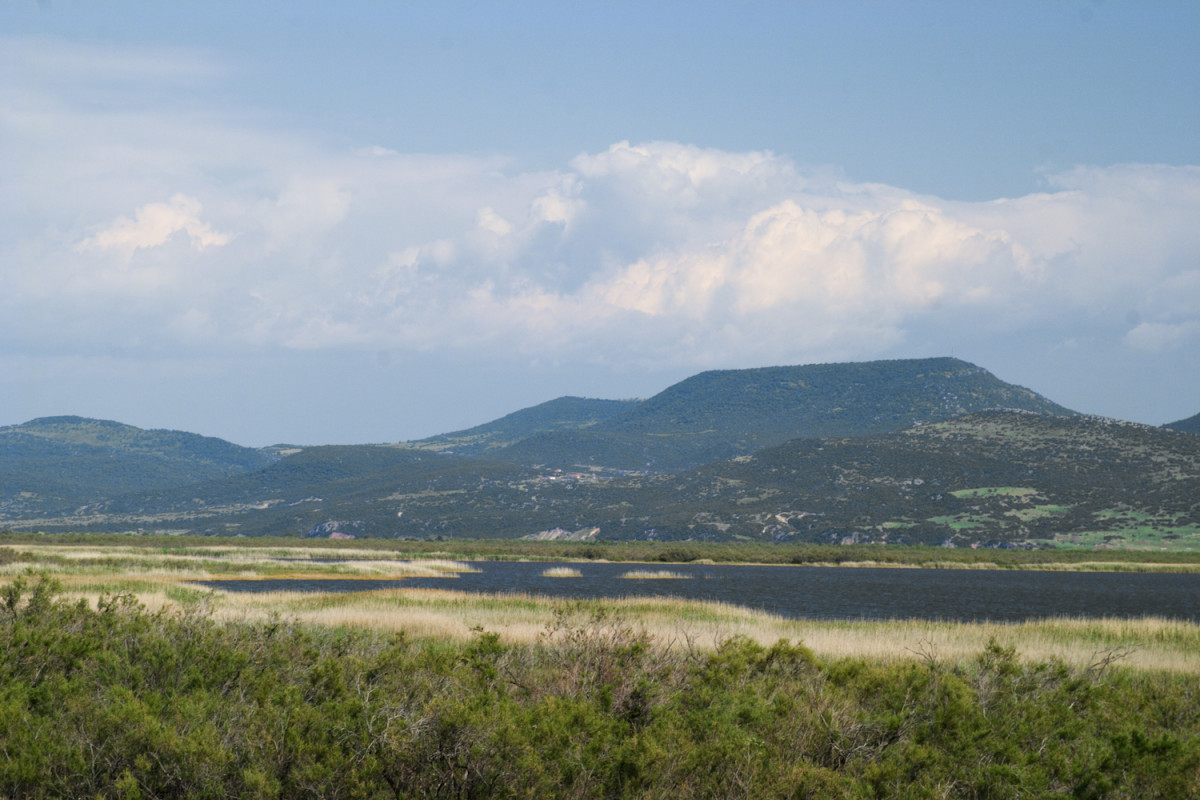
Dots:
{"x": 561, "y": 572}
{"x": 653, "y": 575}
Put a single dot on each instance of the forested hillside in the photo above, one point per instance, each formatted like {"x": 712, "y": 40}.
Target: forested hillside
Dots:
{"x": 932, "y": 451}
{"x": 1189, "y": 425}
{"x": 998, "y": 478}
{"x": 724, "y": 413}
{"x": 564, "y": 413}
{"x": 64, "y": 462}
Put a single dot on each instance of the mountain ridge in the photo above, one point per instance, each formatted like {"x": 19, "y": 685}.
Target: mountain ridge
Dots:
{"x": 1189, "y": 425}
{"x": 1039, "y": 476}
{"x": 567, "y": 412}
{"x": 720, "y": 414}
{"x": 993, "y": 478}
{"x": 49, "y": 462}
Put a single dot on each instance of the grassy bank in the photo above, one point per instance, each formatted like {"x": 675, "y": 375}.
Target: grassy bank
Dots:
{"x": 642, "y": 552}
{"x": 164, "y": 576}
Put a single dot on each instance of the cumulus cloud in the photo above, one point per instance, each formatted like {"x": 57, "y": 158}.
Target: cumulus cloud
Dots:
{"x": 683, "y": 172}
{"x": 676, "y": 252}
{"x": 153, "y": 224}
{"x": 303, "y": 211}
{"x": 662, "y": 252}
{"x": 848, "y": 268}
{"x": 488, "y": 220}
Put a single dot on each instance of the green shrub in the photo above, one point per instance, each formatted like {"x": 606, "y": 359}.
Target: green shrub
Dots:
{"x": 123, "y": 702}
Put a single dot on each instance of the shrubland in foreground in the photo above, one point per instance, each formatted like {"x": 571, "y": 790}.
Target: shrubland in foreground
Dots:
{"x": 120, "y": 701}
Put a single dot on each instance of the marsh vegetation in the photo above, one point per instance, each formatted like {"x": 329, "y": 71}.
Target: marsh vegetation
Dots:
{"x": 164, "y": 574}
{"x": 122, "y": 677}
{"x": 654, "y": 575}
{"x": 192, "y": 699}
{"x": 562, "y": 572}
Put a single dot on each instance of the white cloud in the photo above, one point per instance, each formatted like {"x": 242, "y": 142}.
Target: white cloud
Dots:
{"x": 153, "y": 224}
{"x": 856, "y": 267}
{"x": 305, "y": 210}
{"x": 375, "y": 151}
{"x": 488, "y": 220}
{"x": 677, "y": 253}
{"x": 661, "y": 251}
{"x": 670, "y": 167}
{"x": 1106, "y": 232}
{"x": 559, "y": 204}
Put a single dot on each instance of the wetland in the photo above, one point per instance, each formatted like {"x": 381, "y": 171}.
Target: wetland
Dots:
{"x": 124, "y": 675}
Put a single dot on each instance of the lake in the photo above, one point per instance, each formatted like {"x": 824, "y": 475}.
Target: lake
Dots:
{"x": 874, "y": 593}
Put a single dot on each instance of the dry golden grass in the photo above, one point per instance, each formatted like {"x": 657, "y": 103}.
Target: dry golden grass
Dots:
{"x": 165, "y": 580}
{"x": 562, "y": 572}
{"x": 1152, "y": 643}
{"x": 654, "y": 575}
{"x": 1079, "y": 642}
{"x": 226, "y": 562}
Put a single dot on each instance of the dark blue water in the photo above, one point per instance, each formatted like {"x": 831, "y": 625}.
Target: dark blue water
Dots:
{"x": 825, "y": 592}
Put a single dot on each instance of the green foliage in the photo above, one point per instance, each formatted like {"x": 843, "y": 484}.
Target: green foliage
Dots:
{"x": 1189, "y": 425}
{"x": 122, "y": 702}
{"x": 15, "y": 603}
{"x": 563, "y": 414}
{"x": 739, "y": 552}
{"x": 60, "y": 463}
{"x": 724, "y": 413}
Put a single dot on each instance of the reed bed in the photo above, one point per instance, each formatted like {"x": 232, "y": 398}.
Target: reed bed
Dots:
{"x": 562, "y": 572}
{"x": 1151, "y": 643}
{"x": 653, "y": 575}
{"x": 421, "y": 613}
{"x": 1049, "y": 566}
{"x": 169, "y": 580}
{"x": 627, "y": 552}
{"x": 226, "y": 562}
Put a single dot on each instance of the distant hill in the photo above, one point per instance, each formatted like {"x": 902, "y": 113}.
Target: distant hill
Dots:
{"x": 362, "y": 490}
{"x": 724, "y": 413}
{"x": 53, "y": 462}
{"x": 933, "y": 451}
{"x": 564, "y": 413}
{"x": 1189, "y": 425}
{"x": 993, "y": 478}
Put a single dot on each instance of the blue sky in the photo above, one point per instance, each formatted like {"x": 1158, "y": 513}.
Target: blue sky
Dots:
{"x": 316, "y": 222}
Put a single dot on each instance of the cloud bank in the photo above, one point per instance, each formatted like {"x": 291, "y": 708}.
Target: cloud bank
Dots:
{"x": 211, "y": 233}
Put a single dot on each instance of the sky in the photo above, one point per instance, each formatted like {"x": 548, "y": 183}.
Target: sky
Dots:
{"x": 316, "y": 222}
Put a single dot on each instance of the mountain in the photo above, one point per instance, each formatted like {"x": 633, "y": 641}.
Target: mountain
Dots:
{"x": 725, "y": 413}
{"x": 992, "y": 478}
{"x": 565, "y": 413}
{"x": 932, "y": 451}
{"x": 1189, "y": 425}
{"x": 355, "y": 489}
{"x": 53, "y": 462}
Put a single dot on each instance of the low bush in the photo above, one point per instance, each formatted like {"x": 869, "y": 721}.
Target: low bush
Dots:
{"x": 118, "y": 701}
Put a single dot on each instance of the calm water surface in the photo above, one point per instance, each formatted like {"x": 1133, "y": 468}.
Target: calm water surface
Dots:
{"x": 824, "y": 592}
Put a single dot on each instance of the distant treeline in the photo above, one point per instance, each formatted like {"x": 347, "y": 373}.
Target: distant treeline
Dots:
{"x": 121, "y": 702}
